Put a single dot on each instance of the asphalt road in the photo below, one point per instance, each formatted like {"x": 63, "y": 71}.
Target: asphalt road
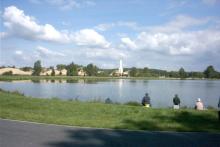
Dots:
{"x": 26, "y": 134}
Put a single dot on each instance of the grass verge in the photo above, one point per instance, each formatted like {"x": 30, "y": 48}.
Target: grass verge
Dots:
{"x": 92, "y": 114}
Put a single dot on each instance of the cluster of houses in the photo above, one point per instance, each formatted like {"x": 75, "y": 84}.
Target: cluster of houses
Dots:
{"x": 44, "y": 72}
{"x": 63, "y": 72}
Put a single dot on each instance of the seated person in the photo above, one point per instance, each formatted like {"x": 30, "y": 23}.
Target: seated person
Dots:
{"x": 176, "y": 102}
{"x": 146, "y": 100}
{"x": 199, "y": 105}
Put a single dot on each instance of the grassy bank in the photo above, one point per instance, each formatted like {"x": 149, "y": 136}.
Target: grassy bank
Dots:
{"x": 91, "y": 114}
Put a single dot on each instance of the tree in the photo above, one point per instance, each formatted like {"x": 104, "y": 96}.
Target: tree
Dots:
{"x": 210, "y": 72}
{"x": 91, "y": 70}
{"x": 53, "y": 72}
{"x": 61, "y": 66}
{"x": 71, "y": 69}
{"x": 182, "y": 73}
{"x": 37, "y": 68}
{"x": 26, "y": 68}
{"x": 194, "y": 74}
{"x": 133, "y": 72}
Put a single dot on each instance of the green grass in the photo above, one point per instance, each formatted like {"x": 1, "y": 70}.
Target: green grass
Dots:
{"x": 96, "y": 114}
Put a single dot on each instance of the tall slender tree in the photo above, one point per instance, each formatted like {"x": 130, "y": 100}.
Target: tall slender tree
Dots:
{"x": 37, "y": 68}
{"x": 182, "y": 73}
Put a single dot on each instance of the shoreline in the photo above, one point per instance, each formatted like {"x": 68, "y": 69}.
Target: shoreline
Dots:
{"x": 16, "y": 77}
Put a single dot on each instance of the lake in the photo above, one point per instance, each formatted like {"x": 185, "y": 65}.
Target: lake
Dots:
{"x": 122, "y": 90}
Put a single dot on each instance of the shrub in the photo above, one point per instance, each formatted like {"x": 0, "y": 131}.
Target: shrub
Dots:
{"x": 8, "y": 73}
{"x": 55, "y": 98}
{"x": 17, "y": 92}
{"x": 132, "y": 103}
{"x": 210, "y": 107}
{"x": 108, "y": 101}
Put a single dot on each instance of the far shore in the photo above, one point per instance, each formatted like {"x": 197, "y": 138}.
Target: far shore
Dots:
{"x": 25, "y": 77}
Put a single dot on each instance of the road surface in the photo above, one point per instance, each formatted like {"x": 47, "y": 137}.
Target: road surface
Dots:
{"x": 27, "y": 134}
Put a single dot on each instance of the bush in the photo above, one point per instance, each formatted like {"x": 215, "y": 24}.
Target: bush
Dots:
{"x": 210, "y": 107}
{"x": 95, "y": 100}
{"x": 17, "y": 92}
{"x": 132, "y": 103}
{"x": 12, "y": 92}
{"x": 8, "y": 73}
{"x": 55, "y": 98}
{"x": 108, "y": 101}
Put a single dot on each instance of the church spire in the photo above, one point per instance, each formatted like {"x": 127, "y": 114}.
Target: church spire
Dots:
{"x": 120, "y": 68}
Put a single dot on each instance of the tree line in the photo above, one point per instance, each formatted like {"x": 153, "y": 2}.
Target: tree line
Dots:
{"x": 209, "y": 73}
{"x": 93, "y": 70}
{"x": 72, "y": 69}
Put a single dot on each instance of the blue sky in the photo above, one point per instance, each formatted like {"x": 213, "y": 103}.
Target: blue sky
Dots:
{"x": 165, "y": 34}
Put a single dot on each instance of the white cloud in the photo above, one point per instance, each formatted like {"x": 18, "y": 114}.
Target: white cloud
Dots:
{"x": 173, "y": 38}
{"x": 104, "y": 26}
{"x": 129, "y": 43}
{"x": 23, "y": 26}
{"x": 109, "y": 54}
{"x": 128, "y": 24}
{"x": 89, "y": 37}
{"x": 44, "y": 52}
{"x": 18, "y": 52}
{"x": 179, "y": 23}
{"x": 3, "y": 35}
{"x": 182, "y": 43}
{"x": 176, "y": 24}
{"x": 20, "y": 56}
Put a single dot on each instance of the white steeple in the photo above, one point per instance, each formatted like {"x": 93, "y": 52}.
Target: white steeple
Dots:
{"x": 120, "y": 68}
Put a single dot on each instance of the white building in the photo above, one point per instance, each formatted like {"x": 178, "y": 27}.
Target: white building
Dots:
{"x": 120, "y": 70}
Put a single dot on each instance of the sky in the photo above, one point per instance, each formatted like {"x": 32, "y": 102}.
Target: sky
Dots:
{"x": 162, "y": 34}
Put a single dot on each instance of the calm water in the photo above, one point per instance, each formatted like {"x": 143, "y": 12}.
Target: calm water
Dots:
{"x": 123, "y": 90}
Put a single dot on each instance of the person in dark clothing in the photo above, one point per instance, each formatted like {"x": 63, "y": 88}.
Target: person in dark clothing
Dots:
{"x": 146, "y": 100}
{"x": 176, "y": 102}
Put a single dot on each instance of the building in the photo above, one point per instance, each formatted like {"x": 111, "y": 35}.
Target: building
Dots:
{"x": 120, "y": 71}
{"x": 81, "y": 72}
{"x": 48, "y": 72}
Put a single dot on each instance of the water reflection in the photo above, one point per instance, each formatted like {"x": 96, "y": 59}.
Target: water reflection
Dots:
{"x": 122, "y": 90}
{"x": 120, "y": 84}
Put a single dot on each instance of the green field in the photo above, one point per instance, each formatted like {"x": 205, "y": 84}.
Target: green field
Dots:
{"x": 95, "y": 114}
